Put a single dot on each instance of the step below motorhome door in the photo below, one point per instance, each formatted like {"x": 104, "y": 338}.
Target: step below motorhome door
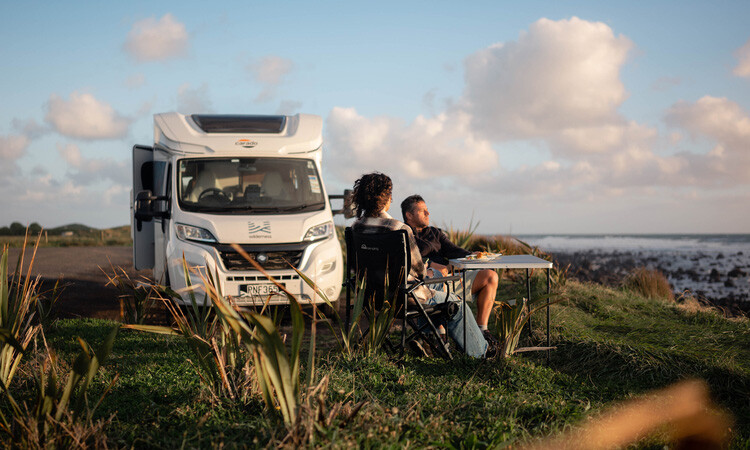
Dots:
{"x": 143, "y": 230}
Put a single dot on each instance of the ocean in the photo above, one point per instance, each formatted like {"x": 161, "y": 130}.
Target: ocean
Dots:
{"x": 715, "y": 267}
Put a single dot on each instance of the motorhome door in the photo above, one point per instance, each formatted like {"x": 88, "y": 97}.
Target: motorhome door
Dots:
{"x": 143, "y": 230}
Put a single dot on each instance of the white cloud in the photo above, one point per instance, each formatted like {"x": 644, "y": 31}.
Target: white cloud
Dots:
{"x": 12, "y": 147}
{"x": 555, "y": 91}
{"x": 743, "y": 61}
{"x": 558, "y": 75}
{"x": 194, "y": 100}
{"x": 727, "y": 125}
{"x": 602, "y": 139}
{"x": 152, "y": 40}
{"x": 85, "y": 117}
{"x": 270, "y": 72}
{"x": 424, "y": 149}
{"x": 85, "y": 171}
{"x": 718, "y": 118}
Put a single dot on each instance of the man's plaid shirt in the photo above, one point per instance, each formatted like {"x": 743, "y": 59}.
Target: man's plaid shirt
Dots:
{"x": 384, "y": 222}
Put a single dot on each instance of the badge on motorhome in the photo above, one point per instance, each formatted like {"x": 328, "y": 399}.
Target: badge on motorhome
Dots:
{"x": 259, "y": 229}
{"x": 246, "y": 143}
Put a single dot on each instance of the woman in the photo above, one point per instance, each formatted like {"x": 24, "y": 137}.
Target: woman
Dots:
{"x": 372, "y": 197}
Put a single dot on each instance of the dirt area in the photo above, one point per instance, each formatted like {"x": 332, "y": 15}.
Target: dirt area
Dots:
{"x": 82, "y": 272}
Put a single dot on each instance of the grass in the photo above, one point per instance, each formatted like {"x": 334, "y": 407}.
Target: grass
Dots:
{"x": 649, "y": 283}
{"x": 612, "y": 344}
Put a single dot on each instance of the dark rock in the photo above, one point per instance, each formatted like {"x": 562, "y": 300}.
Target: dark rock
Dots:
{"x": 714, "y": 276}
{"x": 693, "y": 275}
{"x": 720, "y": 256}
{"x": 729, "y": 283}
{"x": 737, "y": 272}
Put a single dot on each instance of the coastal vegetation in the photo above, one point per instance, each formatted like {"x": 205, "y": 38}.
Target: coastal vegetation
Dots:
{"x": 72, "y": 235}
{"x": 199, "y": 386}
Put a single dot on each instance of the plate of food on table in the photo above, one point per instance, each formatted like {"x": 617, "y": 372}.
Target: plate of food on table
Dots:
{"x": 481, "y": 256}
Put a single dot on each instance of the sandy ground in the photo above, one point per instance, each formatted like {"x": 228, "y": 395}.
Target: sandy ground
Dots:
{"x": 82, "y": 271}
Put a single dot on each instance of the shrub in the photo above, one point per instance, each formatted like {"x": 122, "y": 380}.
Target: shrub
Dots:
{"x": 18, "y": 301}
{"x": 649, "y": 283}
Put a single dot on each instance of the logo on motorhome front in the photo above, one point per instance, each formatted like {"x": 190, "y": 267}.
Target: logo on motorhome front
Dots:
{"x": 246, "y": 143}
{"x": 259, "y": 229}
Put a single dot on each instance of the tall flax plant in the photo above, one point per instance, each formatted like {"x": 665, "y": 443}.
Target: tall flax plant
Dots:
{"x": 278, "y": 371}
{"x": 60, "y": 415}
{"x": 18, "y": 302}
{"x": 217, "y": 353}
{"x": 510, "y": 320}
{"x": 463, "y": 238}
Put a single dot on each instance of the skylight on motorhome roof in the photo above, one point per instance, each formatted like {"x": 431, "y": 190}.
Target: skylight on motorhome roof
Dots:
{"x": 239, "y": 123}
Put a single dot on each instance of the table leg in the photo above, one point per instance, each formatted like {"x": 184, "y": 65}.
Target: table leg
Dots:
{"x": 463, "y": 278}
{"x": 528, "y": 298}
{"x": 549, "y": 290}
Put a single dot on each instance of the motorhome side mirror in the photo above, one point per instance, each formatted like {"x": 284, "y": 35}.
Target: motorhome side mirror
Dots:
{"x": 144, "y": 206}
{"x": 349, "y": 207}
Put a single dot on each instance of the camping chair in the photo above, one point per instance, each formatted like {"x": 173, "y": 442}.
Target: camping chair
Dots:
{"x": 379, "y": 262}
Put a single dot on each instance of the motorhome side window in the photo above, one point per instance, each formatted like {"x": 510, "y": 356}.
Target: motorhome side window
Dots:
{"x": 249, "y": 185}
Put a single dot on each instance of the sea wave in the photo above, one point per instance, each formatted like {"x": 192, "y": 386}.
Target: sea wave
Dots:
{"x": 688, "y": 243}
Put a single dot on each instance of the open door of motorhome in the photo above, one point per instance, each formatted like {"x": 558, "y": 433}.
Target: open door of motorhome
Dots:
{"x": 143, "y": 223}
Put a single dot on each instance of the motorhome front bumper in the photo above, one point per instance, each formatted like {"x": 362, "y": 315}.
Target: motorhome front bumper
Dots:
{"x": 244, "y": 285}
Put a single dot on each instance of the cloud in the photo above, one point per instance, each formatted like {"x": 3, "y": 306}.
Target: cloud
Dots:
{"x": 152, "y": 40}
{"x": 743, "y": 61}
{"x": 194, "y": 100}
{"x": 727, "y": 126}
{"x": 557, "y": 91}
{"x": 270, "y": 72}
{"x": 85, "y": 117}
{"x": 558, "y": 75}
{"x": 86, "y": 171}
{"x": 424, "y": 149}
{"x": 12, "y": 147}
{"x": 30, "y": 128}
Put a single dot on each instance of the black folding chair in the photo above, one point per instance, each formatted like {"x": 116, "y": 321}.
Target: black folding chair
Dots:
{"x": 380, "y": 262}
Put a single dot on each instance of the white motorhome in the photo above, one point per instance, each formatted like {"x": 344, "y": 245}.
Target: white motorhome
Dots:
{"x": 210, "y": 181}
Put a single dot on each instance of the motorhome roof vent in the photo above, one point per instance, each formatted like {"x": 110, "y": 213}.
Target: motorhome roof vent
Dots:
{"x": 239, "y": 123}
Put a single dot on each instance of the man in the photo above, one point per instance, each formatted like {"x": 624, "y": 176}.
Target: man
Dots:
{"x": 372, "y": 197}
{"x": 435, "y": 246}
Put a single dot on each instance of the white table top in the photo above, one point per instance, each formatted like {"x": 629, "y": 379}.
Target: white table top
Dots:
{"x": 503, "y": 262}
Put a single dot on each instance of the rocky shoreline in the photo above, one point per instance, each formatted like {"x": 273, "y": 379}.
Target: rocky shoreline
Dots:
{"x": 720, "y": 279}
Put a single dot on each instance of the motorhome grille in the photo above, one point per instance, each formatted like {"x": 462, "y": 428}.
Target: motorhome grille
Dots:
{"x": 268, "y": 259}
{"x": 263, "y": 278}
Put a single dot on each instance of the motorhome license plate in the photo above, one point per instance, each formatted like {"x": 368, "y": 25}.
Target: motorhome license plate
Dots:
{"x": 247, "y": 290}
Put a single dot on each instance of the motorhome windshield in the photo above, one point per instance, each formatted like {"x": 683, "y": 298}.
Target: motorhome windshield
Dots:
{"x": 249, "y": 185}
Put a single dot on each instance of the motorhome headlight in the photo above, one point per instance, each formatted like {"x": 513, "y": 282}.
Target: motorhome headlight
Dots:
{"x": 191, "y": 233}
{"x": 318, "y": 232}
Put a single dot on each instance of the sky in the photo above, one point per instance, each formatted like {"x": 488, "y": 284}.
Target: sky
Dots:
{"x": 521, "y": 117}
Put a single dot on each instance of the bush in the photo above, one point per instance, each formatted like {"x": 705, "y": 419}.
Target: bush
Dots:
{"x": 649, "y": 283}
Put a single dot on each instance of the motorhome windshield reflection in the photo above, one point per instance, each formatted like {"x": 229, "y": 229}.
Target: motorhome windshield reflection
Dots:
{"x": 249, "y": 185}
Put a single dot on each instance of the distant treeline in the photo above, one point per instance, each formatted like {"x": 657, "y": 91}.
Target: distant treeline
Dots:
{"x": 19, "y": 229}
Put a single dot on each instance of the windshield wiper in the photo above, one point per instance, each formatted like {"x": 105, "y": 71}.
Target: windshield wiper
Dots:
{"x": 303, "y": 206}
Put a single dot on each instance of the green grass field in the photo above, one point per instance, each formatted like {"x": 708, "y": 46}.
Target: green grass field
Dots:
{"x": 612, "y": 345}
